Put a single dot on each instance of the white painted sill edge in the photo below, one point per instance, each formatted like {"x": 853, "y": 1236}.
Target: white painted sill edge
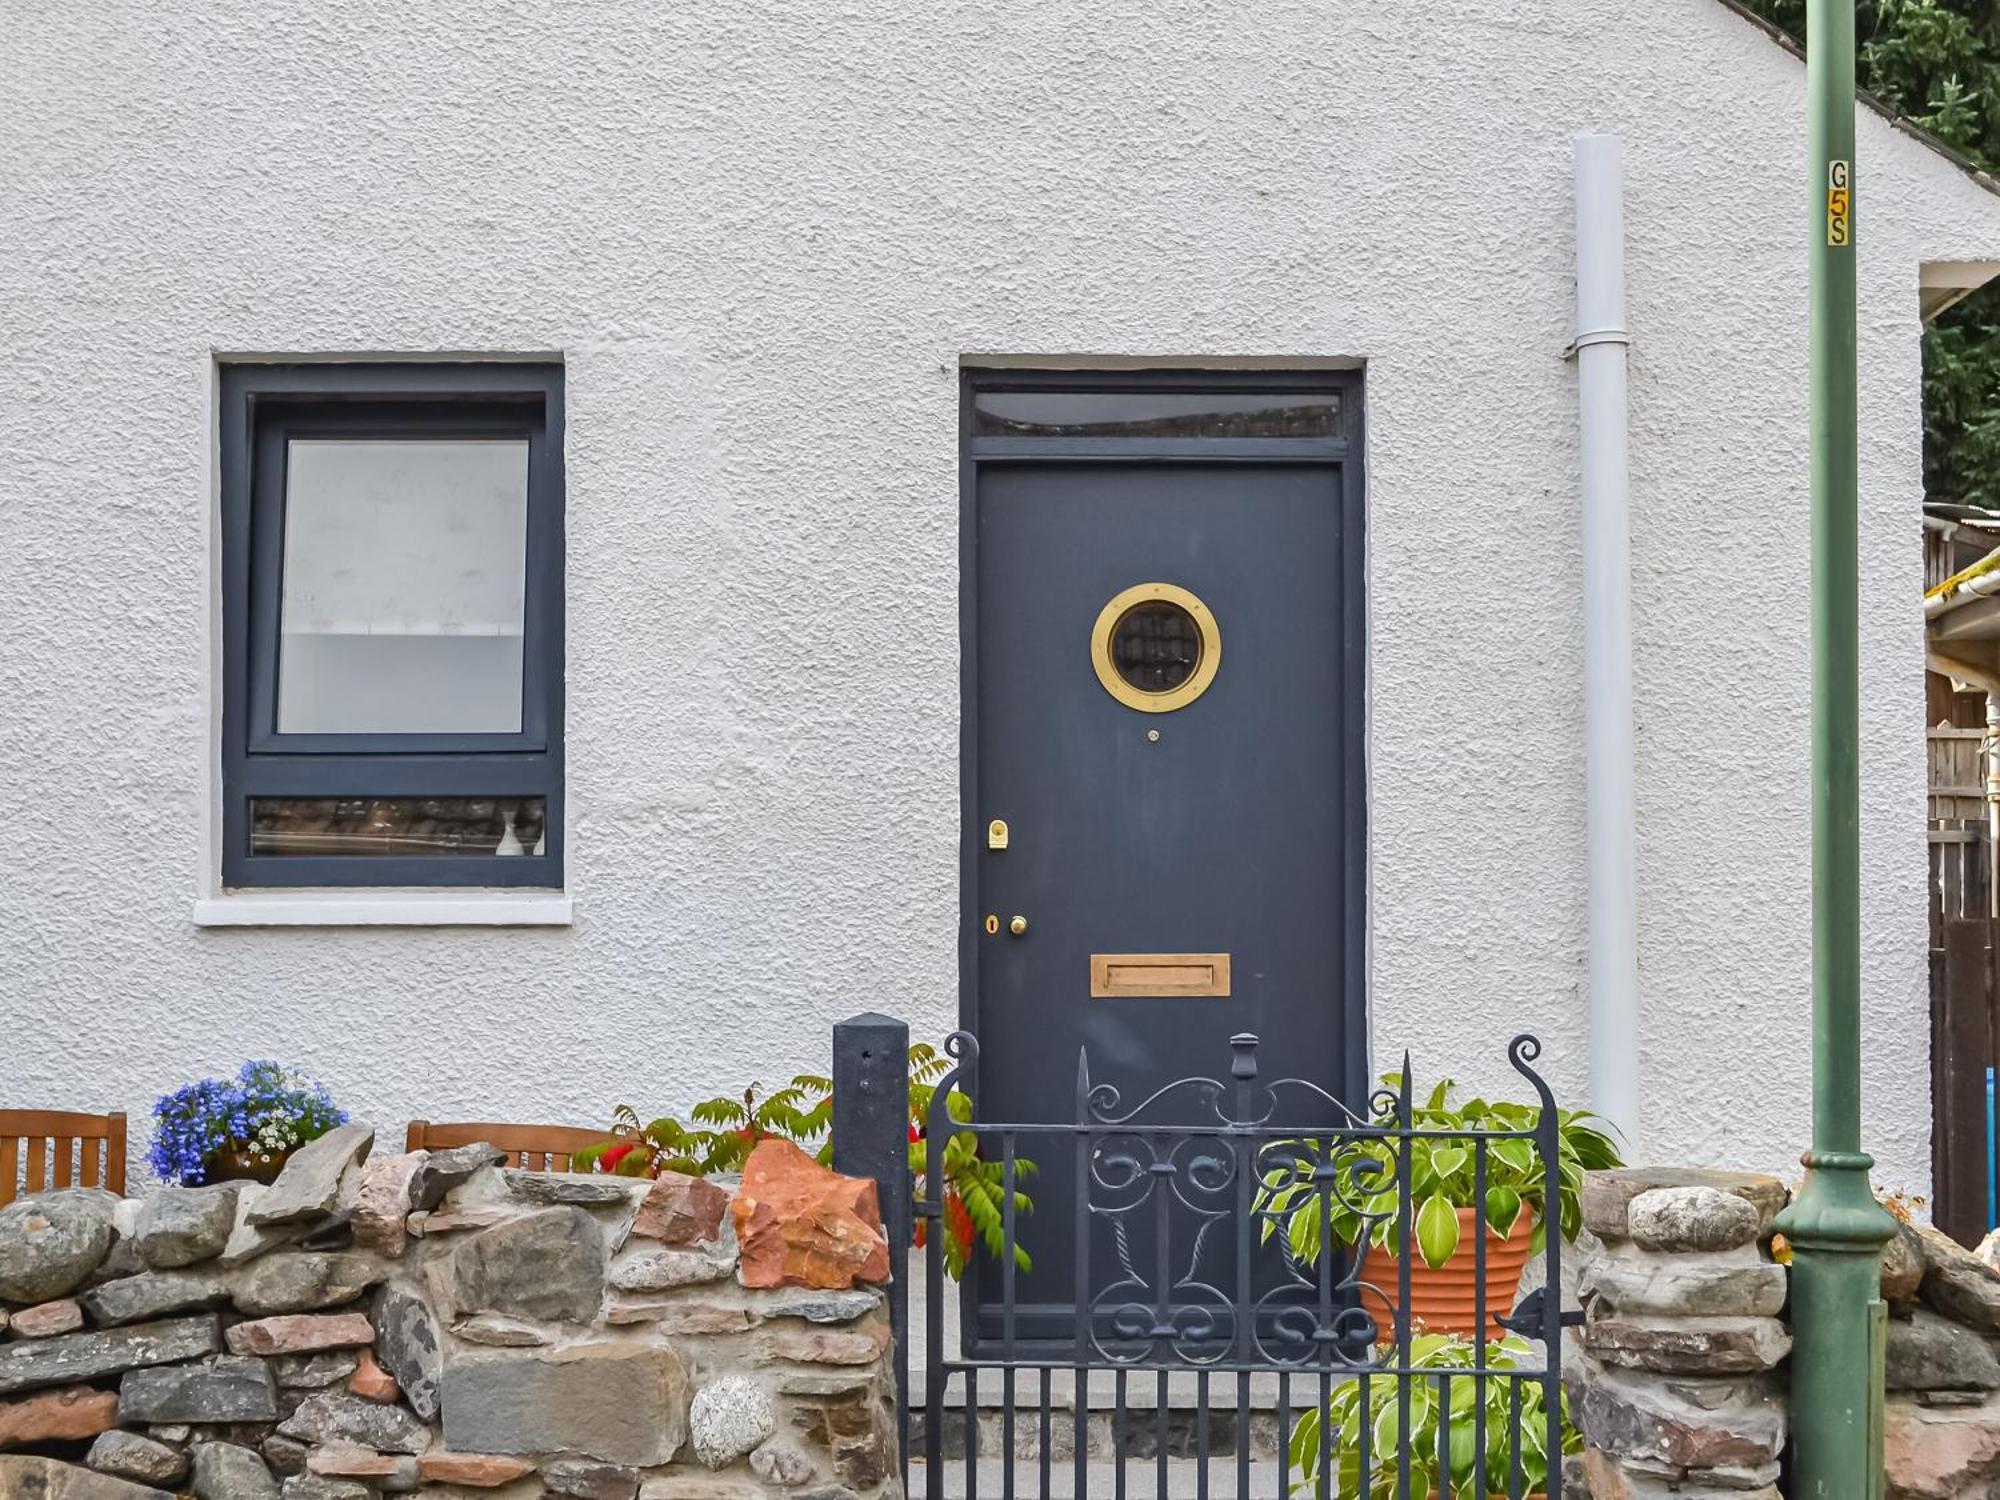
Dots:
{"x": 385, "y": 909}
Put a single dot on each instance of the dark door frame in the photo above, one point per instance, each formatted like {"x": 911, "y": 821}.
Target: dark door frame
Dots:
{"x": 1346, "y": 453}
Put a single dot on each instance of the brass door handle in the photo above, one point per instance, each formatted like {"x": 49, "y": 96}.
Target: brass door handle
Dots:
{"x": 1018, "y": 926}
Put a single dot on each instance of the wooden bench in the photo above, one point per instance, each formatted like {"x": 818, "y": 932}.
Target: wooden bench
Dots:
{"x": 56, "y": 1148}
{"x": 534, "y": 1148}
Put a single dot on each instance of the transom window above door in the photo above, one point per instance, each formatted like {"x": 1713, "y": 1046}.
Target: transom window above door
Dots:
{"x": 392, "y": 560}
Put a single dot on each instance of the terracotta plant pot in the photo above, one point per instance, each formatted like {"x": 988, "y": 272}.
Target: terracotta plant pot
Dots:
{"x": 245, "y": 1166}
{"x": 1442, "y": 1299}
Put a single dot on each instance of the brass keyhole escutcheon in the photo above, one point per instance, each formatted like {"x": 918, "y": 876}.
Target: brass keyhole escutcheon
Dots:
{"x": 992, "y": 923}
{"x": 1018, "y": 926}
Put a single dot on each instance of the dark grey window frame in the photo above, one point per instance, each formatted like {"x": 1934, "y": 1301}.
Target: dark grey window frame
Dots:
{"x": 262, "y": 406}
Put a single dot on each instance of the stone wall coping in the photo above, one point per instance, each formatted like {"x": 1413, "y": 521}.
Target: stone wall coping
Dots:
{"x": 1607, "y": 1195}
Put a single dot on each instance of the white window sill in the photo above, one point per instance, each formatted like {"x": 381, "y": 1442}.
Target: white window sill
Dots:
{"x": 385, "y": 909}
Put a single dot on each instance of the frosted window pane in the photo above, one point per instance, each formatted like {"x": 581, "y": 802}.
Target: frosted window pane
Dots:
{"x": 405, "y": 572}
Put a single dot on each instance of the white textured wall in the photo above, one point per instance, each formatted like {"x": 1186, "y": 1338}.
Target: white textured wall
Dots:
{"x": 762, "y": 236}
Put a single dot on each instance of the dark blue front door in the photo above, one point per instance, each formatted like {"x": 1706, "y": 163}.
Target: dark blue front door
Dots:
{"x": 1166, "y": 665}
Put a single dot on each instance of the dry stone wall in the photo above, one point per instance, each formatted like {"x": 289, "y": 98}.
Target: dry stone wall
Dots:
{"x": 1674, "y": 1384}
{"x": 1679, "y": 1380}
{"x": 1941, "y": 1430}
{"x": 439, "y": 1324}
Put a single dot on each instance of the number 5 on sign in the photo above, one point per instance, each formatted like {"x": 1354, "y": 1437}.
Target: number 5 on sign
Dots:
{"x": 1839, "y": 204}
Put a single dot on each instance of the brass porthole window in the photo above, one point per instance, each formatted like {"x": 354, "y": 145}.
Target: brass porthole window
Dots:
{"x": 1156, "y": 647}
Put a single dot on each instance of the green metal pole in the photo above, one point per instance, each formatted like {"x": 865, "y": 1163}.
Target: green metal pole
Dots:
{"x": 1835, "y": 1226}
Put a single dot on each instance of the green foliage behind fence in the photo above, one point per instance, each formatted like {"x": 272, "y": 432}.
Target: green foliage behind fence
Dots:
{"x": 1938, "y": 62}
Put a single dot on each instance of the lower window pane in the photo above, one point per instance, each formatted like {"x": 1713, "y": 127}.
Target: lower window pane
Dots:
{"x": 392, "y": 827}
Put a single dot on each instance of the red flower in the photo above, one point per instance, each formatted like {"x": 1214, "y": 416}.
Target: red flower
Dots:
{"x": 608, "y": 1162}
{"x": 915, "y": 1134}
{"x": 959, "y": 1222}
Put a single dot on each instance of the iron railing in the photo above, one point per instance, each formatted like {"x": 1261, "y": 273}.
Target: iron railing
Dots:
{"x": 1178, "y": 1279}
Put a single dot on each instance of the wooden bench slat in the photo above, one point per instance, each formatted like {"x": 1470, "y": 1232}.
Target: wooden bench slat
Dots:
{"x": 37, "y": 1145}
{"x": 114, "y": 1154}
{"x": 533, "y": 1148}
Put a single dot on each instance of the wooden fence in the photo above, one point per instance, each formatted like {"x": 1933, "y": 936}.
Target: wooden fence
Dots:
{"x": 1965, "y": 1027}
{"x": 1957, "y": 778}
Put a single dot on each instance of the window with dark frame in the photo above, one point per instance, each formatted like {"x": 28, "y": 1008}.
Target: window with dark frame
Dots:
{"x": 392, "y": 625}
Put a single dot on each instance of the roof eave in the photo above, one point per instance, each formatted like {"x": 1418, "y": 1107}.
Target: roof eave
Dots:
{"x": 1888, "y": 112}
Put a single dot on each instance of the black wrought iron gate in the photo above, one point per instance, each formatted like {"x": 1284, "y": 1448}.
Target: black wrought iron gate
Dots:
{"x": 1239, "y": 1293}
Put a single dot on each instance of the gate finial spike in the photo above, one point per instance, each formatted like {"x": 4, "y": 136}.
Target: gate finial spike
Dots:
{"x": 1082, "y": 1083}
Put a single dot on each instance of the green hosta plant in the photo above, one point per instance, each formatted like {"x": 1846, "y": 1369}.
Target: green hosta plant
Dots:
{"x": 720, "y": 1133}
{"x": 1442, "y": 1178}
{"x": 1474, "y": 1475}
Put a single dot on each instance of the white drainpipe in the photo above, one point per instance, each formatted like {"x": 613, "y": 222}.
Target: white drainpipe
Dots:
{"x": 1601, "y": 341}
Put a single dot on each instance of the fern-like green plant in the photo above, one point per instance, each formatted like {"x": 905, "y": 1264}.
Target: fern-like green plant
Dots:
{"x": 721, "y": 1132}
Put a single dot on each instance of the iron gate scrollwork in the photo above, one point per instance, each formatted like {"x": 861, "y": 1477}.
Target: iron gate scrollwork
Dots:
{"x": 1259, "y": 1362}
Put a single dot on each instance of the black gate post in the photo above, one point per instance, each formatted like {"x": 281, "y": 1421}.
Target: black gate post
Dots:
{"x": 871, "y": 1138}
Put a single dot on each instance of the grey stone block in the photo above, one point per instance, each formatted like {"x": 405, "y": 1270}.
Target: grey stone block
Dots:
{"x": 1691, "y": 1219}
{"x": 624, "y": 1403}
{"x": 180, "y": 1226}
{"x": 51, "y": 1242}
{"x": 130, "y": 1456}
{"x": 1607, "y": 1195}
{"x": 727, "y": 1418}
{"x": 782, "y": 1463}
{"x": 154, "y": 1294}
{"x": 1958, "y": 1284}
{"x": 339, "y": 1417}
{"x": 586, "y": 1189}
{"x": 224, "y": 1471}
{"x": 546, "y": 1266}
{"x": 441, "y": 1171}
{"x": 27, "y": 1477}
{"x": 664, "y": 1270}
{"x": 816, "y": 1306}
{"x": 225, "y": 1388}
{"x": 319, "y": 1487}
{"x": 248, "y": 1241}
{"x": 581, "y": 1479}
{"x": 1686, "y": 1421}
{"x": 307, "y": 1280}
{"x": 309, "y": 1185}
{"x": 73, "y": 1357}
{"x": 312, "y": 1372}
{"x": 497, "y": 1332}
{"x": 1633, "y": 1280}
{"x": 1687, "y": 1346}
{"x": 409, "y": 1347}
{"x": 1930, "y": 1353}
